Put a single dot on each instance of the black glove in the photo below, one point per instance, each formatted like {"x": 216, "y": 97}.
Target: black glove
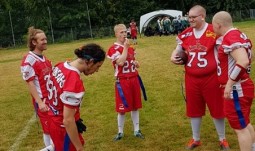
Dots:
{"x": 80, "y": 126}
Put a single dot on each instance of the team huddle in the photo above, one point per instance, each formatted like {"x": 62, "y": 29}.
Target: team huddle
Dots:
{"x": 218, "y": 59}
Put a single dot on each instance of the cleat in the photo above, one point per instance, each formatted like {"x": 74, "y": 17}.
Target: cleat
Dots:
{"x": 193, "y": 144}
{"x": 224, "y": 145}
{"x": 118, "y": 136}
{"x": 139, "y": 134}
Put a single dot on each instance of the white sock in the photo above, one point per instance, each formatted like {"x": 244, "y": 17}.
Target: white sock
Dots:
{"x": 121, "y": 121}
{"x": 195, "y": 125}
{"x": 135, "y": 119}
{"x": 253, "y": 147}
{"x": 48, "y": 148}
{"x": 220, "y": 127}
{"x": 46, "y": 139}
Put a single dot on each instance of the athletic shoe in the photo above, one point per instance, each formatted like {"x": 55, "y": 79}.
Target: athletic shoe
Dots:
{"x": 118, "y": 136}
{"x": 193, "y": 144}
{"x": 224, "y": 145}
{"x": 139, "y": 134}
{"x": 48, "y": 148}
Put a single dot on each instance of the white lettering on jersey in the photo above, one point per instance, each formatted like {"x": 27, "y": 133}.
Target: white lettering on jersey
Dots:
{"x": 186, "y": 35}
{"x": 127, "y": 69}
{"x": 59, "y": 76}
{"x": 51, "y": 89}
{"x": 200, "y": 57}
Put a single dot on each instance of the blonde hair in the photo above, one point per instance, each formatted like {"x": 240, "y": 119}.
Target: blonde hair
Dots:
{"x": 32, "y": 32}
{"x": 118, "y": 26}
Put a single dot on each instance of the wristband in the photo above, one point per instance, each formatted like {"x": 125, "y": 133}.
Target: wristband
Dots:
{"x": 237, "y": 73}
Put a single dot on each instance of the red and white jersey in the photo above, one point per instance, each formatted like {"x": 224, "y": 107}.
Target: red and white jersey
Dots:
{"x": 67, "y": 90}
{"x": 233, "y": 39}
{"x": 133, "y": 29}
{"x": 201, "y": 50}
{"x": 38, "y": 69}
{"x": 129, "y": 68}
{"x": 133, "y": 26}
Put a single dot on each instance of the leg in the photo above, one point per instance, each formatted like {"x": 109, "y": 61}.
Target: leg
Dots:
{"x": 46, "y": 139}
{"x": 121, "y": 121}
{"x": 244, "y": 139}
{"x": 135, "y": 119}
{"x": 135, "y": 40}
{"x": 252, "y": 133}
{"x": 195, "y": 141}
{"x": 251, "y": 130}
{"x": 195, "y": 125}
{"x": 220, "y": 128}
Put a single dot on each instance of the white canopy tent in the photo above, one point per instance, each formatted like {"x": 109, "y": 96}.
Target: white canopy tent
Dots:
{"x": 146, "y": 18}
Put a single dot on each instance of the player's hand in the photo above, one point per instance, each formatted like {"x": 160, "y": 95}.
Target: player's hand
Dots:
{"x": 176, "y": 59}
{"x": 80, "y": 149}
{"x": 126, "y": 43}
{"x": 227, "y": 92}
{"x": 136, "y": 63}
{"x": 42, "y": 106}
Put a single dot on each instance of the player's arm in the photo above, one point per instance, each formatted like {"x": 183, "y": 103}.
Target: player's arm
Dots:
{"x": 242, "y": 61}
{"x": 32, "y": 89}
{"x": 122, "y": 58}
{"x": 71, "y": 128}
{"x": 174, "y": 57}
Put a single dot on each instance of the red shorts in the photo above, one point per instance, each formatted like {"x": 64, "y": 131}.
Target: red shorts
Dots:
{"x": 202, "y": 91}
{"x": 44, "y": 118}
{"x": 61, "y": 139}
{"x": 247, "y": 91}
{"x": 133, "y": 34}
{"x": 231, "y": 114}
{"x": 132, "y": 93}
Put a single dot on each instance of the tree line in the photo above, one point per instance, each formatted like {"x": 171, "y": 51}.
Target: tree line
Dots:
{"x": 77, "y": 16}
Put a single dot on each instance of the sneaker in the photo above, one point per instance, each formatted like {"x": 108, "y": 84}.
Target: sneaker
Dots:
{"x": 193, "y": 144}
{"x": 118, "y": 136}
{"x": 139, "y": 134}
{"x": 224, "y": 145}
{"x": 48, "y": 148}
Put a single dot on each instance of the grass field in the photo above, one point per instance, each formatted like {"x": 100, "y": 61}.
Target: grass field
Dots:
{"x": 162, "y": 118}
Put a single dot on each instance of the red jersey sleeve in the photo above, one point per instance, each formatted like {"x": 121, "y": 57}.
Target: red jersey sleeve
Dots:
{"x": 73, "y": 90}
{"x": 234, "y": 40}
{"x": 27, "y": 71}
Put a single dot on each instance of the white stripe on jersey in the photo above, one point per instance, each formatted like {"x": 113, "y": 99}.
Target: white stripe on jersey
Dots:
{"x": 27, "y": 72}
{"x": 116, "y": 70}
{"x": 231, "y": 64}
{"x": 38, "y": 87}
{"x": 234, "y": 46}
{"x": 30, "y": 59}
{"x": 71, "y": 98}
{"x": 115, "y": 56}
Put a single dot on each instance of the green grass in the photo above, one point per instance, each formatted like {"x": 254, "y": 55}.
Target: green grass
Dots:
{"x": 162, "y": 118}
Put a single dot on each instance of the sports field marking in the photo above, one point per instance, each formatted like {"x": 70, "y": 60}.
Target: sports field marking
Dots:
{"x": 23, "y": 134}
